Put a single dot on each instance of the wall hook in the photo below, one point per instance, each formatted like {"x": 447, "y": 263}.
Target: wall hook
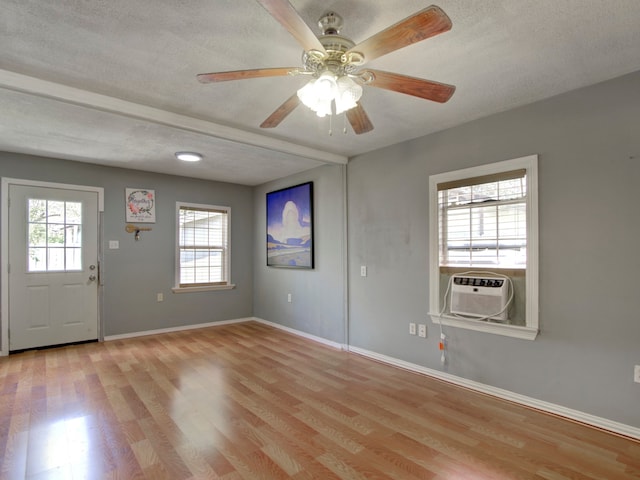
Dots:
{"x": 130, "y": 228}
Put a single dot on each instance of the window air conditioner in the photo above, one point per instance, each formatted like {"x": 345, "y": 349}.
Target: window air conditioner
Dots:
{"x": 479, "y": 296}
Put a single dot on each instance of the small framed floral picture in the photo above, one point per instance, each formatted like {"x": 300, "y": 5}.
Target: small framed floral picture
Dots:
{"x": 140, "y": 205}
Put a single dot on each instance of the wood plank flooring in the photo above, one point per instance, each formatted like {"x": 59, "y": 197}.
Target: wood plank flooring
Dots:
{"x": 248, "y": 401}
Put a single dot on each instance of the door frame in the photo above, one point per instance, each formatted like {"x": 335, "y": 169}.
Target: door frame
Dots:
{"x": 4, "y": 250}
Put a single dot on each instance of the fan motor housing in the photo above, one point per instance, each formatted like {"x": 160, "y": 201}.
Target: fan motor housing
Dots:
{"x": 335, "y": 45}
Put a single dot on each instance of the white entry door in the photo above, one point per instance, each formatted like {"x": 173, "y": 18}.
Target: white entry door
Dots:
{"x": 53, "y": 266}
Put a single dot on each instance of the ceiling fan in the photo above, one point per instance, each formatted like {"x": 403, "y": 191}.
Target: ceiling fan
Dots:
{"x": 334, "y": 64}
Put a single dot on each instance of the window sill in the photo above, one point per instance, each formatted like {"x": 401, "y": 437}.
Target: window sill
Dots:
{"x": 208, "y": 288}
{"x": 515, "y": 331}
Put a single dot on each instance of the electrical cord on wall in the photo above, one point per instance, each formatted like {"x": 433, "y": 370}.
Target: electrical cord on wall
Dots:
{"x": 443, "y": 338}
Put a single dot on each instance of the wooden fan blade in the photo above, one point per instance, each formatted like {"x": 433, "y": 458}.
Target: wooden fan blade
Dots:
{"x": 418, "y": 87}
{"x": 281, "y": 112}
{"x": 424, "y": 24}
{"x": 243, "y": 74}
{"x": 359, "y": 120}
{"x": 284, "y": 13}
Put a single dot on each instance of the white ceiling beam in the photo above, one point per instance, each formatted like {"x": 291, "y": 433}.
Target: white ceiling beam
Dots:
{"x": 62, "y": 93}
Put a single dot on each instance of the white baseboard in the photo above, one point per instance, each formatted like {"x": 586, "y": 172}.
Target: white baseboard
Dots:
{"x": 108, "y": 338}
{"x": 586, "y": 418}
{"x": 324, "y": 341}
{"x": 299, "y": 333}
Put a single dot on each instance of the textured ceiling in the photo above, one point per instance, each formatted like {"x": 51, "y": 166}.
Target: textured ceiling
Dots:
{"x": 114, "y": 82}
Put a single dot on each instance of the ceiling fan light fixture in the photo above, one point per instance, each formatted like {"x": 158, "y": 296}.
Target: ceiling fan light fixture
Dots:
{"x": 323, "y": 108}
{"x": 326, "y": 86}
{"x": 308, "y": 96}
{"x": 318, "y": 94}
{"x": 349, "y": 92}
{"x": 333, "y": 59}
{"x": 189, "y": 156}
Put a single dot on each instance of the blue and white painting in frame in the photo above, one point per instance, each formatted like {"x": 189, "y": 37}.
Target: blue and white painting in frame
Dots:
{"x": 290, "y": 227}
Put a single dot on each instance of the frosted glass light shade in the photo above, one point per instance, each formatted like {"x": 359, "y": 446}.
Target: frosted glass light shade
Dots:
{"x": 323, "y": 108}
{"x": 308, "y": 96}
{"x": 319, "y": 94}
{"x": 326, "y": 86}
{"x": 349, "y": 92}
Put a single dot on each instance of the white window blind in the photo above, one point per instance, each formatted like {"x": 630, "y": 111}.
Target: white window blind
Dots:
{"x": 203, "y": 246}
{"x": 483, "y": 221}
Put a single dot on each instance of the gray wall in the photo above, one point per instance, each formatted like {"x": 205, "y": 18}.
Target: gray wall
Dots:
{"x": 137, "y": 271}
{"x": 589, "y": 303}
{"x": 318, "y": 295}
{"x": 589, "y": 337}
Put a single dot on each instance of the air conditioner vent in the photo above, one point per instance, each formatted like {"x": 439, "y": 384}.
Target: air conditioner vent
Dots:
{"x": 479, "y": 296}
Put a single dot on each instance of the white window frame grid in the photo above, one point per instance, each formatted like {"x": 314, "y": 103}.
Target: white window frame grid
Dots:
{"x": 67, "y": 247}
{"x": 226, "y": 255}
{"x": 530, "y": 330}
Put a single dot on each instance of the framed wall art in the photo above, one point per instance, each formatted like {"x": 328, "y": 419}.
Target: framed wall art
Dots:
{"x": 290, "y": 227}
{"x": 140, "y": 205}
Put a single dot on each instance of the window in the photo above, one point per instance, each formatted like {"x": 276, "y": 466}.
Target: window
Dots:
{"x": 55, "y": 232}
{"x": 485, "y": 219}
{"x": 203, "y": 260}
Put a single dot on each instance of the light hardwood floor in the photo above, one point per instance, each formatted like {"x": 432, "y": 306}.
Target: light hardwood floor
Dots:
{"x": 248, "y": 401}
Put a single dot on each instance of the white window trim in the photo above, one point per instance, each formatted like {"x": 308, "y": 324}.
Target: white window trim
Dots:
{"x": 530, "y": 331}
{"x": 204, "y": 288}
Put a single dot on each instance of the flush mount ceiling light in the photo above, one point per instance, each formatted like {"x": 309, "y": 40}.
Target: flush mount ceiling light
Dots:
{"x": 335, "y": 64}
{"x": 189, "y": 156}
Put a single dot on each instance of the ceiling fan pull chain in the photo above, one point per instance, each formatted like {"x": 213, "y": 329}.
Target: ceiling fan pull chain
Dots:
{"x": 330, "y": 125}
{"x": 344, "y": 123}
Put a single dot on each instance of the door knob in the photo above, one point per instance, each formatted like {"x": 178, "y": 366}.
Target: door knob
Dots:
{"x": 92, "y": 277}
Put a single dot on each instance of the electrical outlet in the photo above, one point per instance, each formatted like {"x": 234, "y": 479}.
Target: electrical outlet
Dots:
{"x": 363, "y": 270}
{"x": 422, "y": 330}
{"x": 160, "y": 297}
{"x": 289, "y": 297}
{"x": 412, "y": 329}
{"x": 636, "y": 374}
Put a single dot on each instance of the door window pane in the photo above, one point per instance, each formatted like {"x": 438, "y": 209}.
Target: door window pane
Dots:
{"x": 73, "y": 259}
{"x": 55, "y": 211}
{"x": 37, "y": 259}
{"x": 54, "y": 235}
{"x": 72, "y": 236}
{"x": 55, "y": 259}
{"x": 37, "y": 235}
{"x": 37, "y": 211}
{"x": 73, "y": 214}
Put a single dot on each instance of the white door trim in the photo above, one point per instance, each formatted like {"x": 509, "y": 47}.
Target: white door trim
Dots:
{"x": 4, "y": 252}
